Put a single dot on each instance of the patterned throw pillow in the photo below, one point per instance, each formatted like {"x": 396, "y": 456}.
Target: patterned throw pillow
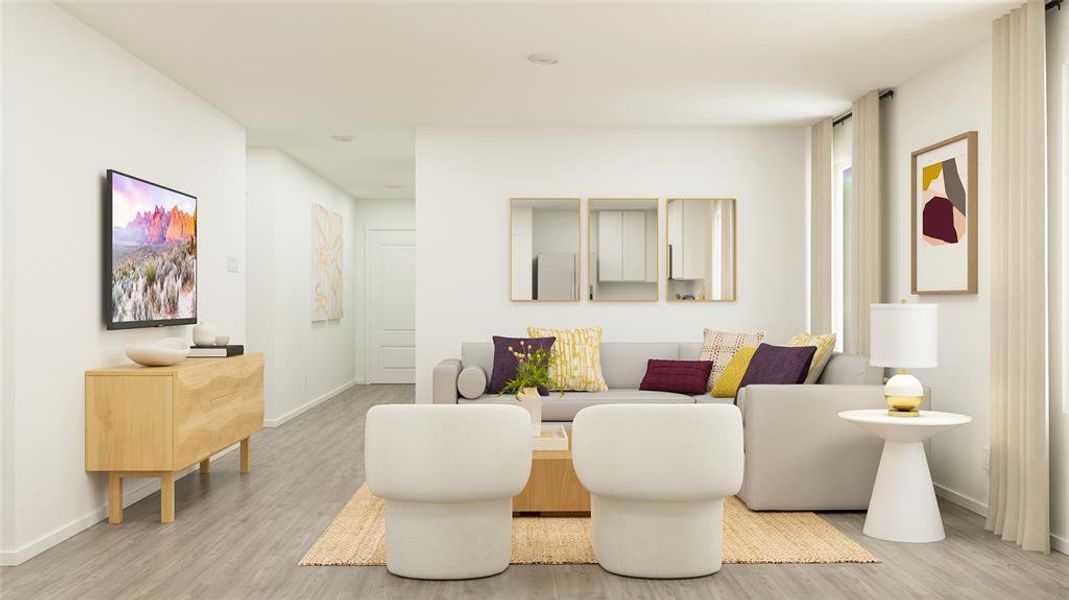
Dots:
{"x": 728, "y": 383}
{"x": 575, "y": 361}
{"x": 721, "y": 346}
{"x": 824, "y": 342}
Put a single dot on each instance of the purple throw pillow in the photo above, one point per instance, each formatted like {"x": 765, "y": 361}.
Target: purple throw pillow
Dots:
{"x": 679, "y": 376}
{"x": 778, "y": 365}
{"x": 505, "y": 362}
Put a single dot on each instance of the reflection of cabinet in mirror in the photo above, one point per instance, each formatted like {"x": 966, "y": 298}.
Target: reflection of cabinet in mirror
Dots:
{"x": 701, "y": 249}
{"x": 623, "y": 249}
{"x": 544, "y": 249}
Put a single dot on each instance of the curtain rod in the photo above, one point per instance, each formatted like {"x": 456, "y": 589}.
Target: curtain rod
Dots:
{"x": 888, "y": 93}
{"x": 1054, "y": 4}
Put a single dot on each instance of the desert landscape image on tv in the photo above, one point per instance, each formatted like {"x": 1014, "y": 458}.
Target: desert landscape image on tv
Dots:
{"x": 153, "y": 252}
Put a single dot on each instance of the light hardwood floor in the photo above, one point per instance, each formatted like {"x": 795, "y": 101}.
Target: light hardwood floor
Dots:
{"x": 241, "y": 537}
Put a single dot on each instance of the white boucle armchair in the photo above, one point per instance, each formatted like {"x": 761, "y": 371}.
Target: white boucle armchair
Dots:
{"x": 447, "y": 475}
{"x": 658, "y": 475}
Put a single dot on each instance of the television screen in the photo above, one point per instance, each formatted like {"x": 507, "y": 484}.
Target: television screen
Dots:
{"x": 151, "y": 254}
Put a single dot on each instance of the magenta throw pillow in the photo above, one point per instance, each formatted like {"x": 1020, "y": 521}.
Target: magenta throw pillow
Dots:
{"x": 679, "y": 376}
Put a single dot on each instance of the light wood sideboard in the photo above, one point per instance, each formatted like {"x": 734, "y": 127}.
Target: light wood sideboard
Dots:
{"x": 156, "y": 421}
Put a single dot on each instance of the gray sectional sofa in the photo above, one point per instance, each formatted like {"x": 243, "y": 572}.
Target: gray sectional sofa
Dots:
{"x": 799, "y": 454}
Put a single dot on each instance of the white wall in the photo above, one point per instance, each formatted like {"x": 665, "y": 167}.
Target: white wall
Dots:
{"x": 373, "y": 214}
{"x": 74, "y": 105}
{"x": 465, "y": 177}
{"x": 952, "y": 97}
{"x": 306, "y": 362}
{"x": 1058, "y": 188}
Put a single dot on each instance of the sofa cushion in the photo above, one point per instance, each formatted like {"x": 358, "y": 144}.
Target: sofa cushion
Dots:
{"x": 480, "y": 354}
{"x": 824, "y": 342}
{"x": 690, "y": 350}
{"x": 471, "y": 382}
{"x": 556, "y": 407}
{"x": 624, "y": 363}
{"x": 679, "y": 376}
{"x": 506, "y": 361}
{"x": 727, "y": 385}
{"x": 575, "y": 363}
{"x": 779, "y": 365}
{"x": 721, "y": 346}
{"x": 850, "y": 369}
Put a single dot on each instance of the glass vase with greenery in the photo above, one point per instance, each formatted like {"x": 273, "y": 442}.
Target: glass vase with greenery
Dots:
{"x": 532, "y": 369}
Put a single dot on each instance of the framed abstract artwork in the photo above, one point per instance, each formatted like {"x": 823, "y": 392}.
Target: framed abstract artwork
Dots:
{"x": 943, "y": 217}
{"x": 327, "y": 245}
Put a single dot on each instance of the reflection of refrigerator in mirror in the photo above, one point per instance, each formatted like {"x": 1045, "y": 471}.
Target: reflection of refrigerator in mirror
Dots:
{"x": 555, "y": 276}
{"x": 701, "y": 249}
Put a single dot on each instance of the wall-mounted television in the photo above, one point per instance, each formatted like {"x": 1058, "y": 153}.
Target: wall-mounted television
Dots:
{"x": 150, "y": 254}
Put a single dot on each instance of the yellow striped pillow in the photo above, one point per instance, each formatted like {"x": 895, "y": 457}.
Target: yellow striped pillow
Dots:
{"x": 825, "y": 343}
{"x": 575, "y": 361}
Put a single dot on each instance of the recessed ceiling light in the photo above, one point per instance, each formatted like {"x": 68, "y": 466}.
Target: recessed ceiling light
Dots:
{"x": 342, "y": 138}
{"x": 542, "y": 59}
{"x": 394, "y": 186}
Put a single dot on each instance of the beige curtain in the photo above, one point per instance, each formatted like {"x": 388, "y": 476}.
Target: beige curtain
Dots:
{"x": 1019, "y": 505}
{"x": 820, "y": 228}
{"x": 863, "y": 235}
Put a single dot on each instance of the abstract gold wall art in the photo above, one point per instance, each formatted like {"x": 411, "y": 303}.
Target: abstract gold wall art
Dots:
{"x": 327, "y": 244}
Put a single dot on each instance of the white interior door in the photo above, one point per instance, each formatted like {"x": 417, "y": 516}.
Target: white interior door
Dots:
{"x": 391, "y": 309}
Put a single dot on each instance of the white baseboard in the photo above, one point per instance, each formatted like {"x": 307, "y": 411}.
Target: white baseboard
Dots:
{"x": 10, "y": 558}
{"x": 1059, "y": 543}
{"x": 955, "y": 497}
{"x": 275, "y": 422}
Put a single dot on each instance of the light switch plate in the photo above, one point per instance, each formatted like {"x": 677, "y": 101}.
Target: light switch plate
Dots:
{"x": 232, "y": 264}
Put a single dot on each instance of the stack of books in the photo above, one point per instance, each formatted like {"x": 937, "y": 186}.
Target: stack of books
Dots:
{"x": 216, "y": 351}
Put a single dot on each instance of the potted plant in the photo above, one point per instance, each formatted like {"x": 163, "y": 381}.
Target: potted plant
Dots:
{"x": 531, "y": 378}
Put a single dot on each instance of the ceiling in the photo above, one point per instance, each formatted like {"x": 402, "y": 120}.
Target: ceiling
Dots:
{"x": 297, "y": 73}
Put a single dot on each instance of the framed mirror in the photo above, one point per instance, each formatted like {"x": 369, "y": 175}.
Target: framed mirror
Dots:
{"x": 622, "y": 244}
{"x": 702, "y": 248}
{"x": 544, "y": 249}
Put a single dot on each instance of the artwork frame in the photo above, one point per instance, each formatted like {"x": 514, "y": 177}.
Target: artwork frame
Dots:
{"x": 327, "y": 281}
{"x": 939, "y": 264}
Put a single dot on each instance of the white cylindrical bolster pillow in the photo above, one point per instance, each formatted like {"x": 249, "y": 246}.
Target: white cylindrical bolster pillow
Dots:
{"x": 471, "y": 383}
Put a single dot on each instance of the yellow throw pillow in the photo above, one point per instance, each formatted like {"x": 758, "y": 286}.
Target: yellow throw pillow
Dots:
{"x": 575, "y": 360}
{"x": 727, "y": 385}
{"x": 825, "y": 343}
{"x": 721, "y": 346}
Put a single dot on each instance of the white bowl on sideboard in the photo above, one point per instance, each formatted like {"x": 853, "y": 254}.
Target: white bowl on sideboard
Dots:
{"x": 163, "y": 353}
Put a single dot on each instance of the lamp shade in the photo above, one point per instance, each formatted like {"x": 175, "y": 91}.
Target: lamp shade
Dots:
{"x": 904, "y": 335}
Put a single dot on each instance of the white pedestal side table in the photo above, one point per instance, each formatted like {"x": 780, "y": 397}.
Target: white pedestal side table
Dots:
{"x": 903, "y": 506}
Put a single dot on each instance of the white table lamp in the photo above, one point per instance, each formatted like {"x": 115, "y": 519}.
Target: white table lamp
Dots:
{"x": 904, "y": 336}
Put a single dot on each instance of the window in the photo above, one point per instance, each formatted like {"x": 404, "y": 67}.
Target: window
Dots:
{"x": 842, "y": 186}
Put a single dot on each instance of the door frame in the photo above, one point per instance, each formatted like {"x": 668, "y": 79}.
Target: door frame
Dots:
{"x": 367, "y": 293}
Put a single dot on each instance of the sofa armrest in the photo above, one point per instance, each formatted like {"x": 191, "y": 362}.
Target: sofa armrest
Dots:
{"x": 444, "y": 381}
{"x": 800, "y": 455}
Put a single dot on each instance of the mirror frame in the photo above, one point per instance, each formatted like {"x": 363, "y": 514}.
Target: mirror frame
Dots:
{"x": 734, "y": 251}
{"x": 578, "y": 244}
{"x": 590, "y": 250}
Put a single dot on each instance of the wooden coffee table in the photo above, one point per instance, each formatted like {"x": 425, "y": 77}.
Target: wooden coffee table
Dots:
{"x": 553, "y": 488}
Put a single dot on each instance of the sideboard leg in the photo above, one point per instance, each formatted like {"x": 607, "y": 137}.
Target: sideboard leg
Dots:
{"x": 206, "y": 466}
{"x": 245, "y": 455}
{"x": 114, "y": 497}
{"x": 167, "y": 498}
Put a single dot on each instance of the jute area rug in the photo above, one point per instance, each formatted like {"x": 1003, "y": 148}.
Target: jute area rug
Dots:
{"x": 357, "y": 537}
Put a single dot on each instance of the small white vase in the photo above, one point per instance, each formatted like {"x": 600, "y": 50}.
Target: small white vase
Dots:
{"x": 531, "y": 401}
{"x": 204, "y": 334}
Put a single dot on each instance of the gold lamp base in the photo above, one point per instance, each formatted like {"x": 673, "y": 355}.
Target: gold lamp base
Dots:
{"x": 904, "y": 406}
